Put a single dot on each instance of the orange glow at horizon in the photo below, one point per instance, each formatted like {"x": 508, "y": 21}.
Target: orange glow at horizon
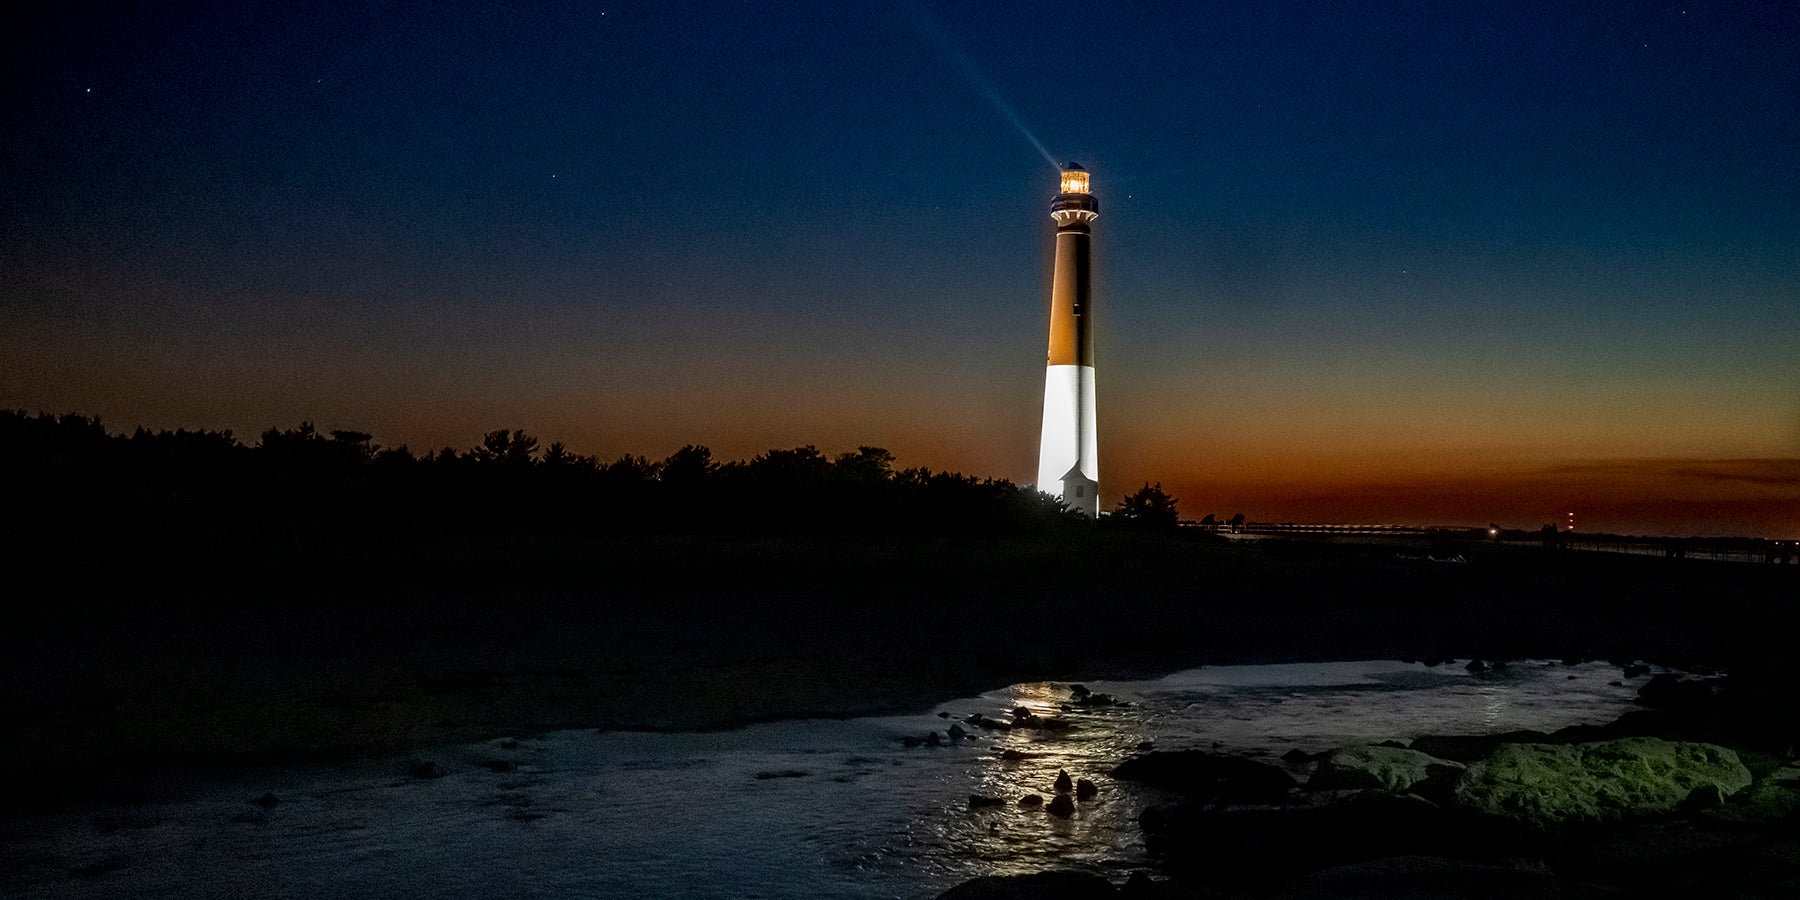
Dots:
{"x": 1676, "y": 497}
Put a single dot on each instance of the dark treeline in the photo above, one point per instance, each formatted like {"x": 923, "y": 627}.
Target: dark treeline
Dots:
{"x": 69, "y": 466}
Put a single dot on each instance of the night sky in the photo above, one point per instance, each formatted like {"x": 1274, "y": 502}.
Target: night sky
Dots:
{"x": 1407, "y": 262}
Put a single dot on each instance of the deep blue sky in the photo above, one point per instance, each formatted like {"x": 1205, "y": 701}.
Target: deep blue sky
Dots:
{"x": 1426, "y": 262}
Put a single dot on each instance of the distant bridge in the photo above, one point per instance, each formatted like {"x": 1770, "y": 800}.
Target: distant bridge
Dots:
{"x": 1721, "y": 549}
{"x": 1296, "y": 528}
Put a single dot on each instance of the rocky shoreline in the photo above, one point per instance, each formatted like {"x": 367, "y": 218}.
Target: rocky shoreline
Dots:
{"x": 1696, "y": 795}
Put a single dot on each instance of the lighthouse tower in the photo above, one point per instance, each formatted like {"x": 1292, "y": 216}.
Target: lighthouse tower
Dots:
{"x": 1068, "y": 452}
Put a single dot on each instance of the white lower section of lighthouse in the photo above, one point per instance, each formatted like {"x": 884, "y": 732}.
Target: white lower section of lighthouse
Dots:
{"x": 1070, "y": 444}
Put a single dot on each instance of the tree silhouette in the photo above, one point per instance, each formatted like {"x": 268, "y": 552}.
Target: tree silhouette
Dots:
{"x": 514, "y": 448}
{"x": 70, "y": 466}
{"x": 1149, "y": 507}
{"x": 558, "y": 456}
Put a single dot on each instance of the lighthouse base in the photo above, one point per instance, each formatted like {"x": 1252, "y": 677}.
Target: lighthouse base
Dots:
{"x": 1068, "y": 450}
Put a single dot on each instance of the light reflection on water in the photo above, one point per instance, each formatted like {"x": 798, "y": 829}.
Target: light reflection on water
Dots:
{"x": 785, "y": 809}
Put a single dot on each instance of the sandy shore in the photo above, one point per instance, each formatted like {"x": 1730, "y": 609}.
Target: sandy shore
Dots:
{"x": 210, "y": 644}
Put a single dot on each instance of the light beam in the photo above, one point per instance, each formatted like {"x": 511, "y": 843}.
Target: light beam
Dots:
{"x": 927, "y": 25}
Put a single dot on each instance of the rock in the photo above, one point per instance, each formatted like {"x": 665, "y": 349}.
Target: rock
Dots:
{"x": 1550, "y": 787}
{"x": 934, "y": 740}
{"x": 1012, "y": 755}
{"x": 782, "y": 773}
{"x": 1037, "y": 886}
{"x": 1431, "y": 878}
{"x": 501, "y": 765}
{"x": 1207, "y": 776}
{"x": 267, "y": 801}
{"x": 944, "y": 715}
{"x": 426, "y": 769}
{"x": 1140, "y": 886}
{"x": 1030, "y": 801}
{"x": 1705, "y": 796}
{"x": 1254, "y": 847}
{"x": 1773, "y": 798}
{"x": 1395, "y": 769}
{"x": 1476, "y": 665}
{"x": 1634, "y": 670}
{"x": 1298, "y": 756}
{"x": 1079, "y": 690}
{"x": 1690, "y": 859}
{"x": 957, "y": 732}
{"x": 980, "y": 801}
{"x": 1063, "y": 783}
{"x": 1086, "y": 790}
{"x": 1062, "y": 806}
{"x": 1671, "y": 690}
{"x": 1469, "y": 748}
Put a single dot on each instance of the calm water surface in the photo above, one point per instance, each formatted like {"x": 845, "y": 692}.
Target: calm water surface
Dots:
{"x": 787, "y": 809}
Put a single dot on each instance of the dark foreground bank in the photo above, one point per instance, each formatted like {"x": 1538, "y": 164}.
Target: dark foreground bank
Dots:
{"x": 172, "y": 642}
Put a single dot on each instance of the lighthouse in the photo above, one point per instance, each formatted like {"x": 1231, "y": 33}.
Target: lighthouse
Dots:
{"x": 1068, "y": 451}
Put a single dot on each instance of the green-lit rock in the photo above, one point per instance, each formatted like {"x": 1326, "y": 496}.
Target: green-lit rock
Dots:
{"x": 1773, "y": 798}
{"x": 1375, "y": 766}
{"x": 1550, "y": 786}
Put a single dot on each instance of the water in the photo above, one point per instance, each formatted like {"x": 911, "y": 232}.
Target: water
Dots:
{"x": 787, "y": 809}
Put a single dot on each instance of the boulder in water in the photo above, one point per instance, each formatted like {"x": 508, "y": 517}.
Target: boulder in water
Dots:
{"x": 1208, "y": 776}
{"x": 780, "y": 773}
{"x": 1251, "y": 847}
{"x": 1673, "y": 691}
